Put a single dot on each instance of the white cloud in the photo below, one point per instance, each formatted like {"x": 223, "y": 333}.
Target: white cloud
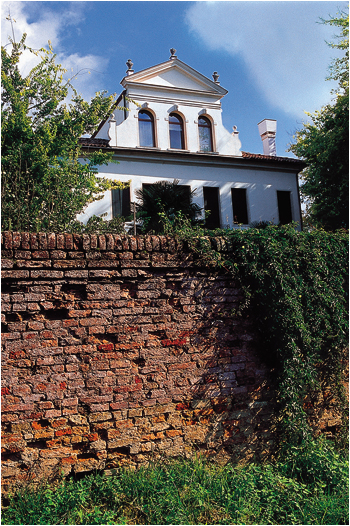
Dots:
{"x": 281, "y": 44}
{"x": 50, "y": 25}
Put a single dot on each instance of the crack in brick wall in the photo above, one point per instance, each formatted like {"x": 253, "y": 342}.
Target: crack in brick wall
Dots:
{"x": 117, "y": 350}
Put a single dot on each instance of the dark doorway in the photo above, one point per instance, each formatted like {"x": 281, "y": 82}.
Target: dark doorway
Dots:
{"x": 284, "y": 207}
{"x": 211, "y": 203}
{"x": 239, "y": 205}
{"x": 121, "y": 202}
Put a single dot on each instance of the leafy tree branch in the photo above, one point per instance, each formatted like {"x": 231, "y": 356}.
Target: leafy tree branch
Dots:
{"x": 46, "y": 178}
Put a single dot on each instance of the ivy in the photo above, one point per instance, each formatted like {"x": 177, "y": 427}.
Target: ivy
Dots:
{"x": 296, "y": 285}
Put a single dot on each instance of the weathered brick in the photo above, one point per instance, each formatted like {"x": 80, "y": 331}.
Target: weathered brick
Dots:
{"x": 7, "y": 240}
{"x": 76, "y": 274}
{"x": 6, "y": 263}
{"x": 15, "y": 274}
{"x": 51, "y": 241}
{"x": 34, "y": 241}
{"x": 46, "y": 274}
{"x": 25, "y": 241}
{"x": 118, "y": 341}
{"x": 16, "y": 239}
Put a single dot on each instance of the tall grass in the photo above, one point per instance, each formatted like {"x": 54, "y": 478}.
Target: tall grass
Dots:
{"x": 190, "y": 492}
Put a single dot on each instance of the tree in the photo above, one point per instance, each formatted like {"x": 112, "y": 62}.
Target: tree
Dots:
{"x": 324, "y": 145}
{"x": 165, "y": 201}
{"x": 46, "y": 179}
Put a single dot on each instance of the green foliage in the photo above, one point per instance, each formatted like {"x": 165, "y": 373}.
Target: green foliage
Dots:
{"x": 45, "y": 182}
{"x": 324, "y": 145}
{"x": 98, "y": 225}
{"x": 187, "y": 492}
{"x": 296, "y": 286}
{"x": 315, "y": 462}
{"x": 339, "y": 68}
{"x": 161, "y": 202}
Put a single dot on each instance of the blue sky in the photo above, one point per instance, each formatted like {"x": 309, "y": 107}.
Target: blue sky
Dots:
{"x": 271, "y": 56}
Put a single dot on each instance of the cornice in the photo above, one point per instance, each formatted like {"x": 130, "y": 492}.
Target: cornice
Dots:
{"x": 173, "y": 100}
{"x": 172, "y": 89}
{"x": 284, "y": 164}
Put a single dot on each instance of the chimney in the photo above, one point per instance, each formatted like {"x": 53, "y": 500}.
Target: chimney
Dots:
{"x": 267, "y": 130}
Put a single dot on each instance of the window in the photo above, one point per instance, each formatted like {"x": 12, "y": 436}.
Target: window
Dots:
{"x": 211, "y": 203}
{"x": 239, "y": 204}
{"x": 169, "y": 196}
{"x": 176, "y": 131}
{"x": 284, "y": 207}
{"x": 146, "y": 129}
{"x": 121, "y": 202}
{"x": 205, "y": 137}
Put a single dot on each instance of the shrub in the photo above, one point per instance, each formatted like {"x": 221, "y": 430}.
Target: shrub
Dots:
{"x": 162, "y": 201}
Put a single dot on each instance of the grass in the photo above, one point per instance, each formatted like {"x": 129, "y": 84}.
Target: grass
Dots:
{"x": 188, "y": 492}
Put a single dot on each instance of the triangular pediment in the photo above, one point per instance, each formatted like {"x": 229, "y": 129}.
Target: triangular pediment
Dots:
{"x": 174, "y": 74}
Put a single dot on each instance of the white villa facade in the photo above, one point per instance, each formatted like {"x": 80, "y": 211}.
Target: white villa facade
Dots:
{"x": 173, "y": 130}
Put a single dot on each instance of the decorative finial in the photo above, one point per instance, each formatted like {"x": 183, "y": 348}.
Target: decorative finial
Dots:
{"x": 215, "y": 77}
{"x": 172, "y": 51}
{"x": 130, "y": 65}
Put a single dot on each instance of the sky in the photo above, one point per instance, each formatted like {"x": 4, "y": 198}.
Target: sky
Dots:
{"x": 271, "y": 56}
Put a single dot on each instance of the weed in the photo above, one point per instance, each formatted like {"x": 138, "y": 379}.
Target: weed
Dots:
{"x": 188, "y": 492}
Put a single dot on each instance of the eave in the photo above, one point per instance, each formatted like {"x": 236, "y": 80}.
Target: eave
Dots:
{"x": 246, "y": 161}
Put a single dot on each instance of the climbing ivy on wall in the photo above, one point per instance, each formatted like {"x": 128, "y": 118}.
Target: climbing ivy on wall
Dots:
{"x": 296, "y": 286}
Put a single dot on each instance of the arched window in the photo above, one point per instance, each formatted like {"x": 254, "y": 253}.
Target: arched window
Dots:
{"x": 176, "y": 130}
{"x": 146, "y": 128}
{"x": 205, "y": 136}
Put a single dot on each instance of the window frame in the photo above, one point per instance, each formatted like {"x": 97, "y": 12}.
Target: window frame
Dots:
{"x": 208, "y": 125}
{"x": 182, "y": 124}
{"x": 153, "y": 127}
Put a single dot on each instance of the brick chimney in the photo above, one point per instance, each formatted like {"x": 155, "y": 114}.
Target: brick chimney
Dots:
{"x": 267, "y": 130}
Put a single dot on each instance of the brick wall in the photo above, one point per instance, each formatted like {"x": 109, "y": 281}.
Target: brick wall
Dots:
{"x": 120, "y": 349}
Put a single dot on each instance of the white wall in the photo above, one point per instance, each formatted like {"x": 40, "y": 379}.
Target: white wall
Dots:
{"x": 261, "y": 185}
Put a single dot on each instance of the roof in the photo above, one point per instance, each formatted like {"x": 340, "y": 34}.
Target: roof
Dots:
{"x": 276, "y": 158}
{"x": 190, "y": 78}
{"x": 115, "y": 105}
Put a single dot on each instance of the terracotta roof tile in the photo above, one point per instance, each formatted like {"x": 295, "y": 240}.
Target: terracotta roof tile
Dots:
{"x": 272, "y": 158}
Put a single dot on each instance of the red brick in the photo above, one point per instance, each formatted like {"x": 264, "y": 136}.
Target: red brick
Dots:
{"x": 58, "y": 254}
{"x": 15, "y": 274}
{"x": 51, "y": 241}
{"x": 52, "y": 413}
{"x": 6, "y": 263}
{"x": 40, "y": 254}
{"x": 64, "y": 431}
{"x": 7, "y": 240}
{"x": 46, "y": 274}
{"x": 68, "y": 460}
{"x": 106, "y": 347}
{"x": 56, "y": 453}
{"x": 17, "y": 407}
{"x": 34, "y": 242}
{"x": 25, "y": 239}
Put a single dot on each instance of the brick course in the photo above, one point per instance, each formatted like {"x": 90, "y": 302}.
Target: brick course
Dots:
{"x": 120, "y": 349}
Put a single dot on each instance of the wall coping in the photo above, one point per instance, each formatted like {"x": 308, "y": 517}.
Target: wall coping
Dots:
{"x": 102, "y": 242}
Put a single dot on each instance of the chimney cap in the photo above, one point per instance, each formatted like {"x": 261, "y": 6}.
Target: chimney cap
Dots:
{"x": 267, "y": 126}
